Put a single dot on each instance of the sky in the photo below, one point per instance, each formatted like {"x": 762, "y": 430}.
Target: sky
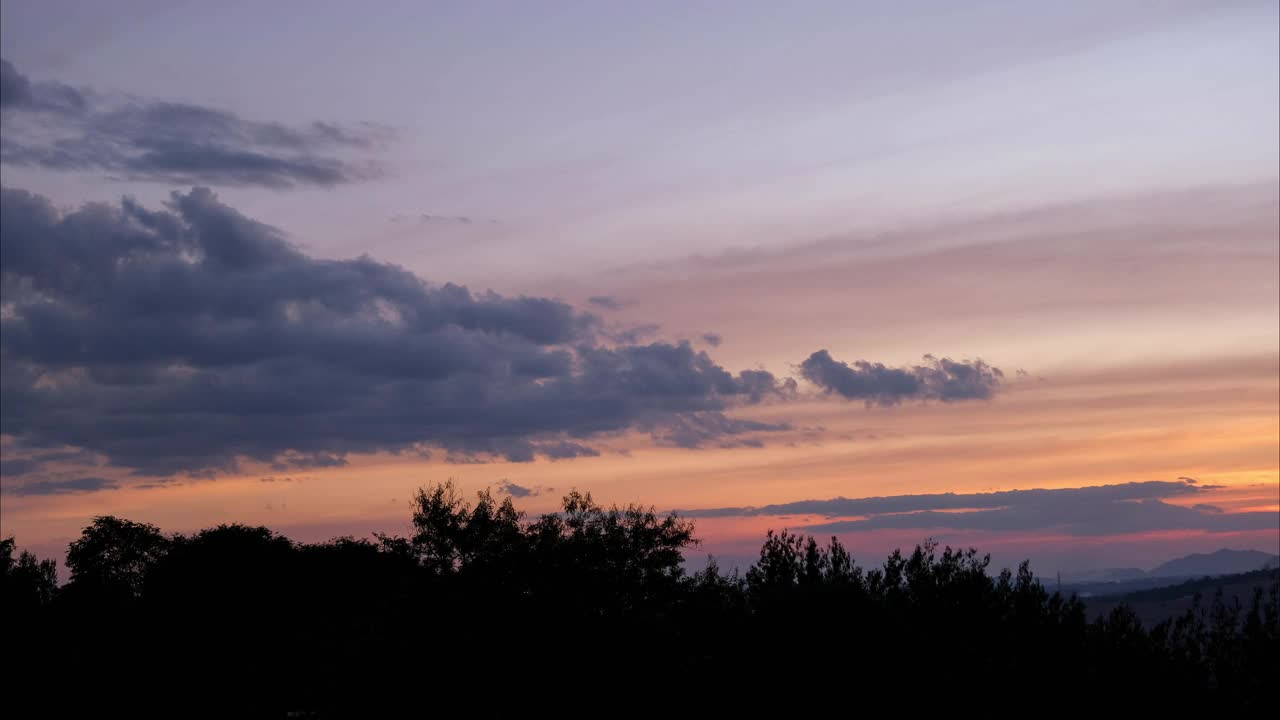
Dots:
{"x": 1004, "y": 274}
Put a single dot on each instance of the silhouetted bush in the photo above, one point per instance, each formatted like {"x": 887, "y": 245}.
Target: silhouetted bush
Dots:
{"x": 589, "y": 611}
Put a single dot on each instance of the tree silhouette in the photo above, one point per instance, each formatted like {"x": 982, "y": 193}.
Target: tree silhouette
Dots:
{"x": 26, "y": 583}
{"x": 450, "y": 535}
{"x": 111, "y": 559}
{"x": 485, "y": 610}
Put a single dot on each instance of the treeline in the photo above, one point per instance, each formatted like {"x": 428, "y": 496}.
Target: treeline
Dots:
{"x": 587, "y": 611}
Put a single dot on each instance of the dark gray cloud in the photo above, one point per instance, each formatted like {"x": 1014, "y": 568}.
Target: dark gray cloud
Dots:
{"x": 635, "y": 333}
{"x": 1086, "y": 511}
{"x": 844, "y": 507}
{"x": 758, "y": 384}
{"x": 607, "y": 302}
{"x": 515, "y": 490}
{"x": 62, "y": 487}
{"x": 877, "y": 384}
{"x": 187, "y": 338}
{"x": 18, "y": 93}
{"x": 693, "y": 430}
{"x": 18, "y": 461}
{"x": 520, "y": 491}
{"x": 565, "y": 449}
{"x": 13, "y": 467}
{"x": 307, "y": 461}
{"x": 15, "y": 88}
{"x": 58, "y": 127}
{"x": 712, "y": 339}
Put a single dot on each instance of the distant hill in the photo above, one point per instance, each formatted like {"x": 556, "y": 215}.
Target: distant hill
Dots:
{"x": 1122, "y": 581}
{"x": 1159, "y": 604}
{"x": 1221, "y": 562}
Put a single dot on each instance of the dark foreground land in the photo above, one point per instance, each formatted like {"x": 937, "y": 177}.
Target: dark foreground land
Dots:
{"x": 588, "y": 612}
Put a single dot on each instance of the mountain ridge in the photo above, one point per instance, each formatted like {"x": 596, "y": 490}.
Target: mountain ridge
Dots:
{"x": 1218, "y": 562}
{"x": 1117, "y": 581}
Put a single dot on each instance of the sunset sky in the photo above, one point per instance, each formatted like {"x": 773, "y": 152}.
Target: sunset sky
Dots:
{"x": 1005, "y": 274}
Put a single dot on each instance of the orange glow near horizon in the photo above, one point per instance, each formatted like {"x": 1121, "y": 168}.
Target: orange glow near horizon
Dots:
{"x": 1061, "y": 433}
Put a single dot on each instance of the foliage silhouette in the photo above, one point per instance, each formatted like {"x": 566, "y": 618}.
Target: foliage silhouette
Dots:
{"x": 112, "y": 558}
{"x": 589, "y": 611}
{"x": 26, "y": 584}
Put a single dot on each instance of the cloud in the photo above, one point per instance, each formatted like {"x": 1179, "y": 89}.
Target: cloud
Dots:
{"x": 694, "y": 430}
{"x": 18, "y": 93}
{"x": 837, "y": 507}
{"x": 63, "y": 487}
{"x": 519, "y": 491}
{"x": 58, "y": 127}
{"x": 11, "y": 466}
{"x": 189, "y": 338}
{"x": 515, "y": 490}
{"x": 565, "y": 449}
{"x": 1085, "y": 511}
{"x": 938, "y": 379}
{"x": 428, "y": 219}
{"x": 450, "y": 219}
{"x": 300, "y": 461}
{"x": 634, "y": 334}
{"x": 605, "y": 301}
{"x": 712, "y": 339}
{"x": 15, "y": 88}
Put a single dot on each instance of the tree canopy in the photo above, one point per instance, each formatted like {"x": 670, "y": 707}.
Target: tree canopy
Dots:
{"x": 485, "y": 609}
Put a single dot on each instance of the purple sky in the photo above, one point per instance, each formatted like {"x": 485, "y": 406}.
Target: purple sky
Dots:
{"x": 1083, "y": 195}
